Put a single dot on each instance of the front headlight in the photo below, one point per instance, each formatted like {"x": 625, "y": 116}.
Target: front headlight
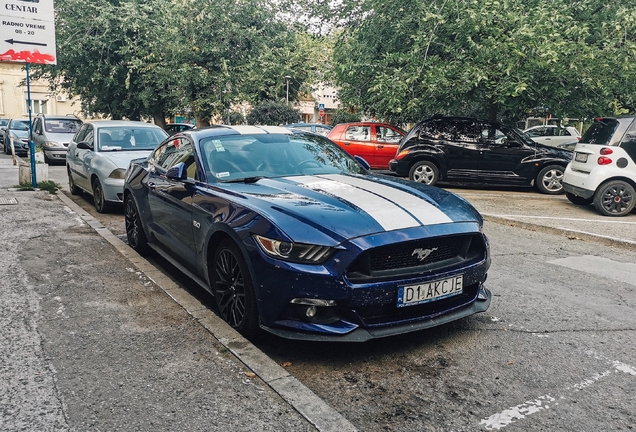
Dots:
{"x": 52, "y": 144}
{"x": 119, "y": 173}
{"x": 294, "y": 252}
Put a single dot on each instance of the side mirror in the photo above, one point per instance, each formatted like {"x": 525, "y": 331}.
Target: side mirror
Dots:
{"x": 84, "y": 145}
{"x": 363, "y": 163}
{"x": 177, "y": 172}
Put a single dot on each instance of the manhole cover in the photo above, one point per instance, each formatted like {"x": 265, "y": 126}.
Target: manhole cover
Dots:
{"x": 7, "y": 201}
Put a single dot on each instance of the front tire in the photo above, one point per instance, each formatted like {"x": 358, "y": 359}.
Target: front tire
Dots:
{"x": 233, "y": 289}
{"x": 614, "y": 198}
{"x": 550, "y": 180}
{"x": 101, "y": 205}
{"x": 135, "y": 233}
{"x": 424, "y": 172}
{"x": 574, "y": 199}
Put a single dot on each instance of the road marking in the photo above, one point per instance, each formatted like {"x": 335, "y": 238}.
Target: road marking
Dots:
{"x": 511, "y": 415}
{"x": 599, "y": 266}
{"x": 562, "y": 218}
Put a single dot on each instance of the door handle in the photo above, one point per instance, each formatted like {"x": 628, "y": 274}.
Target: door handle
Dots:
{"x": 347, "y": 143}
{"x": 380, "y": 146}
{"x": 152, "y": 185}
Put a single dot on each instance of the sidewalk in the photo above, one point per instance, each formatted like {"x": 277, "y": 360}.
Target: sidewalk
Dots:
{"x": 95, "y": 338}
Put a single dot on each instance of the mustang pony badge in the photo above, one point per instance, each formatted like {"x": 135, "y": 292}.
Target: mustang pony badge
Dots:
{"x": 423, "y": 253}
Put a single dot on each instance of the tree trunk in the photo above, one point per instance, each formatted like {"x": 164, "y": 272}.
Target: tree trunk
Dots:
{"x": 493, "y": 110}
{"x": 159, "y": 119}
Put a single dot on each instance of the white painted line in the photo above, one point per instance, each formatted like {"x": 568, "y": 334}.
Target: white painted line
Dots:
{"x": 615, "y": 221}
{"x": 511, "y": 415}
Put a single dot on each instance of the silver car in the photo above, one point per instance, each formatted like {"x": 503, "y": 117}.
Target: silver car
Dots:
{"x": 52, "y": 133}
{"x": 99, "y": 154}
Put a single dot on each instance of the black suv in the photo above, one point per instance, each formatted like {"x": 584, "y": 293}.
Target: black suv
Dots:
{"x": 467, "y": 150}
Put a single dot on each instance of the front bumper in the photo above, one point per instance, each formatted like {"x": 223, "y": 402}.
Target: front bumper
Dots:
{"x": 113, "y": 190}
{"x": 399, "y": 167}
{"x": 360, "y": 334}
{"x": 56, "y": 154}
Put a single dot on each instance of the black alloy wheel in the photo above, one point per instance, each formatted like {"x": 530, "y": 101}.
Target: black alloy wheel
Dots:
{"x": 233, "y": 289}
{"x": 135, "y": 233}
{"x": 424, "y": 172}
{"x": 550, "y": 180}
{"x": 101, "y": 205}
{"x": 614, "y": 198}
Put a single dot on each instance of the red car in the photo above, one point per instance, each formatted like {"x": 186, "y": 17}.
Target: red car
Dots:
{"x": 377, "y": 143}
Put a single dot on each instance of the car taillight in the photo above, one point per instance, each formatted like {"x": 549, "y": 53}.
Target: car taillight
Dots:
{"x": 604, "y": 160}
{"x": 401, "y": 154}
{"x": 578, "y": 138}
{"x": 606, "y": 151}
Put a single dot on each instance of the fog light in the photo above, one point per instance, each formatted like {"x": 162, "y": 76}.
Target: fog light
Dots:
{"x": 311, "y": 311}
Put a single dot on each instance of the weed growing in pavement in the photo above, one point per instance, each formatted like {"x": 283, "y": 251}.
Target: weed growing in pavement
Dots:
{"x": 49, "y": 186}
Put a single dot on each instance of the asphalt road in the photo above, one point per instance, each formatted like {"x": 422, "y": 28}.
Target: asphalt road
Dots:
{"x": 554, "y": 352}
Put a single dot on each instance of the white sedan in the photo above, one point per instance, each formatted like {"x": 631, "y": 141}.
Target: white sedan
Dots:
{"x": 553, "y": 135}
{"x": 99, "y": 155}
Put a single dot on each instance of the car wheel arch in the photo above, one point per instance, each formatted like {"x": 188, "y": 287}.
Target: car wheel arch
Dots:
{"x": 441, "y": 168}
{"x": 215, "y": 239}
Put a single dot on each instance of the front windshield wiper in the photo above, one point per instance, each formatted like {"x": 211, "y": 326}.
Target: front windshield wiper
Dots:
{"x": 244, "y": 180}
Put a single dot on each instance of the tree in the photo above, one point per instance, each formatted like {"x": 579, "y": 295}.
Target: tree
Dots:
{"x": 272, "y": 113}
{"x": 344, "y": 116}
{"x": 488, "y": 58}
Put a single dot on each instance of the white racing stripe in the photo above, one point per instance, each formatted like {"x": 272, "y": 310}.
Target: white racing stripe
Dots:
{"x": 423, "y": 211}
{"x": 371, "y": 199}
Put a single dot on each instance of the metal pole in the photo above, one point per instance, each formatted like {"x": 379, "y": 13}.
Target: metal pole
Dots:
{"x": 31, "y": 145}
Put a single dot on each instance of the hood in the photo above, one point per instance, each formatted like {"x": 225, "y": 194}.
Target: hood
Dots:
{"x": 121, "y": 159}
{"x": 553, "y": 151}
{"x": 20, "y": 133}
{"x": 329, "y": 209}
{"x": 63, "y": 138}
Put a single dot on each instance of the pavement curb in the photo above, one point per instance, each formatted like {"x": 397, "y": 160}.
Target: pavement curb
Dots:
{"x": 570, "y": 234}
{"x": 297, "y": 395}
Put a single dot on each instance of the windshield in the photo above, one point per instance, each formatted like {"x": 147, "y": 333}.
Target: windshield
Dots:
{"x": 67, "y": 126}
{"x": 600, "y": 132}
{"x": 22, "y": 125}
{"x": 240, "y": 157}
{"x": 129, "y": 138}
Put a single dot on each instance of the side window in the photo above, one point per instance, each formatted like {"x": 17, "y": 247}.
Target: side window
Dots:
{"x": 90, "y": 136}
{"x": 358, "y": 133}
{"x": 173, "y": 152}
{"x": 387, "y": 135}
{"x": 80, "y": 134}
{"x": 432, "y": 130}
{"x": 37, "y": 126}
{"x": 628, "y": 142}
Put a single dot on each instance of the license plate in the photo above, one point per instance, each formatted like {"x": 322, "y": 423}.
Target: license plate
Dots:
{"x": 411, "y": 295}
{"x": 580, "y": 157}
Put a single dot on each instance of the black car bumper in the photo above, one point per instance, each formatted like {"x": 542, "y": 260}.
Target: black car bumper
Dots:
{"x": 578, "y": 191}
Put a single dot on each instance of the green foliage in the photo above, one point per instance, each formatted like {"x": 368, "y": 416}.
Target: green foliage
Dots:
{"x": 49, "y": 186}
{"x": 273, "y": 113}
{"x": 344, "y": 116}
{"x": 488, "y": 58}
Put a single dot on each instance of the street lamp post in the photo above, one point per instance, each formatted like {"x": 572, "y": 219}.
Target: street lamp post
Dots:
{"x": 287, "y": 77}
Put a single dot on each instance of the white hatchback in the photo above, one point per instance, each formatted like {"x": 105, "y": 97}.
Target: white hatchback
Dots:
{"x": 603, "y": 168}
{"x": 553, "y": 135}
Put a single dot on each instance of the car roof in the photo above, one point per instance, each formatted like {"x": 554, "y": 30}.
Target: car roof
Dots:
{"x": 225, "y": 130}
{"x": 109, "y": 123}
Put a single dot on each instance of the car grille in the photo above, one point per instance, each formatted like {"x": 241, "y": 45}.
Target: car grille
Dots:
{"x": 382, "y": 315}
{"x": 417, "y": 257}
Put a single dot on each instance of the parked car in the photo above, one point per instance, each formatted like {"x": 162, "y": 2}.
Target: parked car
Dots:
{"x": 603, "y": 170}
{"x": 318, "y": 128}
{"x": 377, "y": 143}
{"x": 99, "y": 154}
{"x": 553, "y": 135}
{"x": 52, "y": 133}
{"x": 173, "y": 128}
{"x": 472, "y": 151}
{"x": 3, "y": 128}
{"x": 292, "y": 235}
{"x": 17, "y": 133}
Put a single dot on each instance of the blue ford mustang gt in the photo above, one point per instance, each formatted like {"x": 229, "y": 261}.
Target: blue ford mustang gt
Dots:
{"x": 292, "y": 235}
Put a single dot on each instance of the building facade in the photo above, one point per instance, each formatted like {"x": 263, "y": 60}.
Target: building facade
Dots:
{"x": 309, "y": 105}
{"x": 13, "y": 95}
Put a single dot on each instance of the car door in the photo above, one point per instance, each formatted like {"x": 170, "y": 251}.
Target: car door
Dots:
{"x": 356, "y": 141}
{"x": 81, "y": 158}
{"x": 387, "y": 139}
{"x": 460, "y": 141}
{"x": 170, "y": 201}
{"x": 501, "y": 154}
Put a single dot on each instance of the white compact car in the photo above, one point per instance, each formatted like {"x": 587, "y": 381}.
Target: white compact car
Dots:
{"x": 553, "y": 135}
{"x": 603, "y": 168}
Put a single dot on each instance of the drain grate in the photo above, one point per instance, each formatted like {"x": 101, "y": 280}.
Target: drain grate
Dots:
{"x": 8, "y": 201}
